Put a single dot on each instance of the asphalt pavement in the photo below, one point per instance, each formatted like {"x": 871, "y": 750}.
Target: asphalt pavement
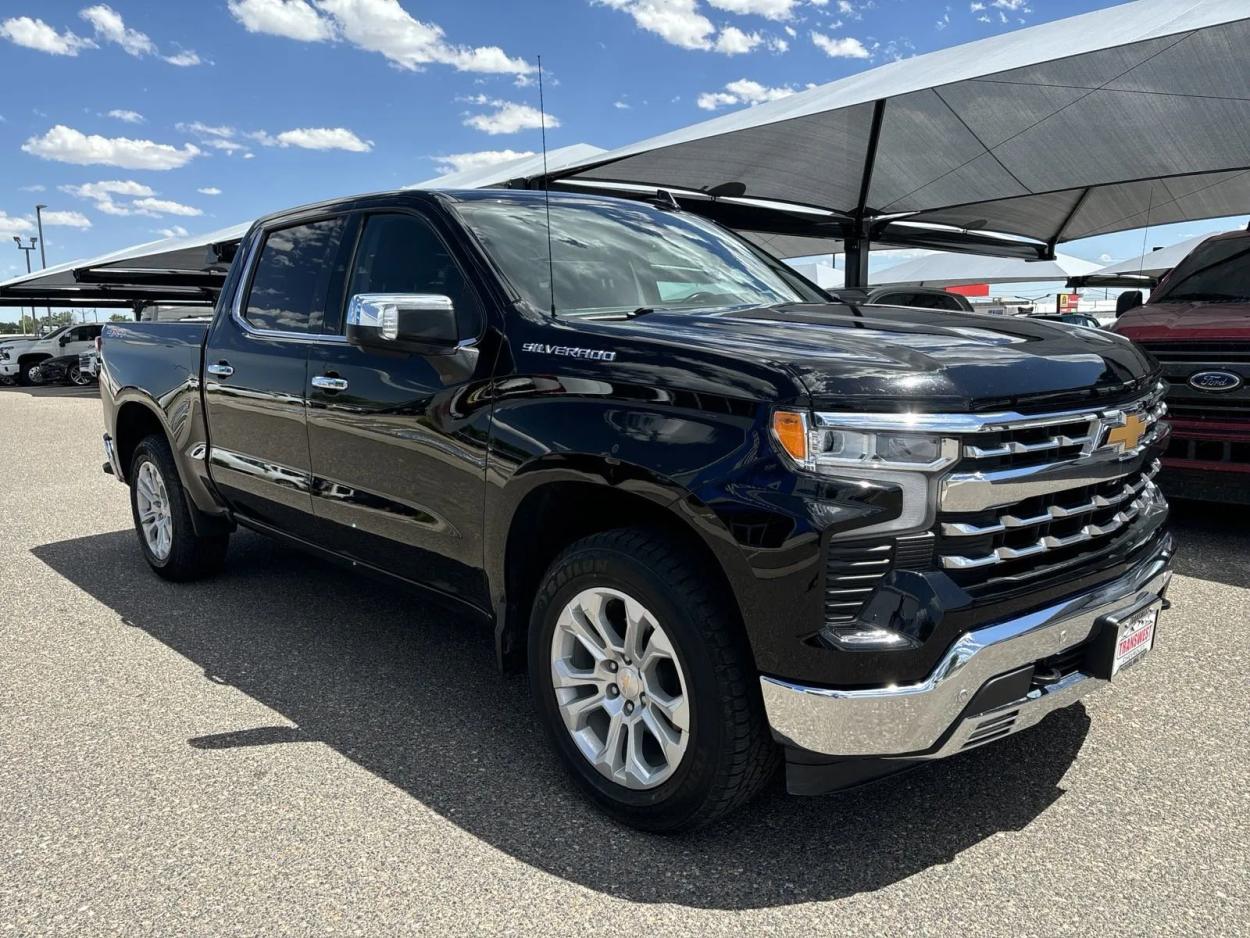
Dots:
{"x": 293, "y": 749}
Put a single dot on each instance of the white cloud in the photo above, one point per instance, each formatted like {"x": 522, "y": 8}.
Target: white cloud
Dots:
{"x": 67, "y": 145}
{"x": 381, "y": 26}
{"x": 677, "y": 22}
{"x": 10, "y": 226}
{"x": 621, "y": 105}
{"x": 976, "y": 6}
{"x": 183, "y": 59}
{"x": 293, "y": 19}
{"x": 206, "y": 130}
{"x": 845, "y": 48}
{"x": 97, "y": 191}
{"x": 458, "y": 162}
{"x": 209, "y": 190}
{"x": 226, "y": 146}
{"x": 38, "y": 35}
{"x": 682, "y": 24}
{"x": 770, "y": 9}
{"x": 110, "y": 27}
{"x": 742, "y": 91}
{"x": 129, "y": 117}
{"x": 37, "y": 187}
{"x": 316, "y": 138}
{"x": 174, "y": 231}
{"x": 943, "y": 22}
{"x": 66, "y": 219}
{"x": 509, "y": 118}
{"x": 150, "y": 206}
{"x": 733, "y": 41}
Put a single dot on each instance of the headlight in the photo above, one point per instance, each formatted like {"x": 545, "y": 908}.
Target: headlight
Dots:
{"x": 820, "y": 445}
{"x": 849, "y": 446}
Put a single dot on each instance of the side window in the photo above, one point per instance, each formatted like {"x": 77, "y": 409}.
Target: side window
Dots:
{"x": 403, "y": 254}
{"x": 894, "y": 299}
{"x": 288, "y": 292}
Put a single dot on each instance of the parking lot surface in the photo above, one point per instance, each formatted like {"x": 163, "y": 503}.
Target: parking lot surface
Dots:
{"x": 292, "y": 748}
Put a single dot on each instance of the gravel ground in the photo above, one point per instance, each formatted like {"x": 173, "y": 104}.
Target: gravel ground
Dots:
{"x": 291, "y": 749}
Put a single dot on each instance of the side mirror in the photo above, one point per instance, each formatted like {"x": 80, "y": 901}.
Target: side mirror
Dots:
{"x": 416, "y": 322}
{"x": 1129, "y": 299}
{"x": 63, "y": 341}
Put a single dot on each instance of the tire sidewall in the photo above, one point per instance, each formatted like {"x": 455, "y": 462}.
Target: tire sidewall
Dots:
{"x": 681, "y": 795}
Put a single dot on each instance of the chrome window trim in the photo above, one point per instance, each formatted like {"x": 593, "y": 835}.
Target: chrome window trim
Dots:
{"x": 245, "y": 289}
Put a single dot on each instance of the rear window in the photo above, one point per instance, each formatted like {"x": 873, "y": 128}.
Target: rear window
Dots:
{"x": 1216, "y": 272}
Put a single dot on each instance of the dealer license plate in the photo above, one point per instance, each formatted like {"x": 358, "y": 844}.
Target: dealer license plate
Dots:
{"x": 1135, "y": 636}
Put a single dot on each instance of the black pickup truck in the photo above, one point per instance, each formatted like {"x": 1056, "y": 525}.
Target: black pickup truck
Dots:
{"x": 720, "y": 520}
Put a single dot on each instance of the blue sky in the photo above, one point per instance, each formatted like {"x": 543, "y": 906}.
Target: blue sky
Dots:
{"x": 140, "y": 117}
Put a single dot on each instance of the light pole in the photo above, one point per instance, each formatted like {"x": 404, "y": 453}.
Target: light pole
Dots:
{"x": 43, "y": 256}
{"x": 26, "y": 249}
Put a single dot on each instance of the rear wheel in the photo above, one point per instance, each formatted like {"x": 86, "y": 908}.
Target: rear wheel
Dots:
{"x": 646, "y": 685}
{"x": 163, "y": 518}
{"x": 33, "y": 374}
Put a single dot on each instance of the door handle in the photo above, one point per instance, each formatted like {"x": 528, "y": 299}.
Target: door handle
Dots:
{"x": 220, "y": 369}
{"x": 329, "y": 383}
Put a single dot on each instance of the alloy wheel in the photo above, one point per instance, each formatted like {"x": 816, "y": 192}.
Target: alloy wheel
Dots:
{"x": 155, "y": 516}
{"x": 620, "y": 688}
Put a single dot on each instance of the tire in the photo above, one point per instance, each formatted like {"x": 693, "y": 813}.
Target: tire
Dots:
{"x": 181, "y": 554}
{"x": 728, "y": 755}
{"x": 33, "y": 374}
{"x": 74, "y": 376}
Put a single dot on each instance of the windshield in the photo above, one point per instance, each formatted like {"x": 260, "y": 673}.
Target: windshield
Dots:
{"x": 1216, "y": 272}
{"x": 625, "y": 257}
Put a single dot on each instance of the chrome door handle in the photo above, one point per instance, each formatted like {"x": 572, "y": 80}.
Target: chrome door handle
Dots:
{"x": 220, "y": 369}
{"x": 327, "y": 383}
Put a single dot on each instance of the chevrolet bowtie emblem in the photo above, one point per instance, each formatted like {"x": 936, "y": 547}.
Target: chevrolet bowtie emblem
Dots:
{"x": 1127, "y": 437}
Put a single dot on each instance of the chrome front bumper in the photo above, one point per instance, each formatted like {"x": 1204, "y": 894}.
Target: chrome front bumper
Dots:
{"x": 925, "y": 720}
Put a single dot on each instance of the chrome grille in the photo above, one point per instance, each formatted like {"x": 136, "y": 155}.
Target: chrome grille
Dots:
{"x": 1033, "y": 494}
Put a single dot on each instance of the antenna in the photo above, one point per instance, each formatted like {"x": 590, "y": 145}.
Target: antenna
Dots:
{"x": 542, "y": 121}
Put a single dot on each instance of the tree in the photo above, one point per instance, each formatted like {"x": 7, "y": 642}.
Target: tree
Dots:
{"x": 119, "y": 317}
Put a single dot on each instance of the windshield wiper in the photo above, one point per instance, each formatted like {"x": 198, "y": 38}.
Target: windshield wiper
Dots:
{"x": 644, "y": 310}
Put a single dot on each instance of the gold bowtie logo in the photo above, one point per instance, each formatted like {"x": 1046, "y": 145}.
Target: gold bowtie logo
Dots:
{"x": 1128, "y": 436}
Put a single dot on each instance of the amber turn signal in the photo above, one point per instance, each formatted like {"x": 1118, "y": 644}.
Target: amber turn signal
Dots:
{"x": 790, "y": 429}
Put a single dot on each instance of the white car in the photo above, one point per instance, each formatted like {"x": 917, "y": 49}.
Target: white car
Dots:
{"x": 19, "y": 359}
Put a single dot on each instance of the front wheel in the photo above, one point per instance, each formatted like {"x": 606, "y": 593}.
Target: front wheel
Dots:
{"x": 646, "y": 685}
{"x": 75, "y": 376}
{"x": 163, "y": 517}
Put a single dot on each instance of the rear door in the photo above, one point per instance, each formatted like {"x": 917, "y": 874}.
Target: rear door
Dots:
{"x": 398, "y": 442}
{"x": 255, "y": 371}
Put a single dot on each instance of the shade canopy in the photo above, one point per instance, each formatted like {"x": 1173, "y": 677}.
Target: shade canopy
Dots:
{"x": 948, "y": 269}
{"x": 1133, "y": 115}
{"x": 1157, "y": 263}
{"x": 188, "y": 270}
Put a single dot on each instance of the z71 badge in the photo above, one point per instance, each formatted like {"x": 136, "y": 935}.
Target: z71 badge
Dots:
{"x": 569, "y": 351}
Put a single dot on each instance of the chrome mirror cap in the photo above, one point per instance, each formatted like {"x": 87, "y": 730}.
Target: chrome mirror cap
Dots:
{"x": 380, "y": 311}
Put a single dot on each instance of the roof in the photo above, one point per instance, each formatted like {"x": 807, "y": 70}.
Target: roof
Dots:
{"x": 1114, "y": 119}
{"x": 1157, "y": 263}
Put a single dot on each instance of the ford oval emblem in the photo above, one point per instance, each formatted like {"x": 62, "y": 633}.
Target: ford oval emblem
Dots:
{"x": 1215, "y": 381}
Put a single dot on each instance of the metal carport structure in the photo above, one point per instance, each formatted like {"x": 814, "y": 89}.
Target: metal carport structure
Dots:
{"x": 1134, "y": 115}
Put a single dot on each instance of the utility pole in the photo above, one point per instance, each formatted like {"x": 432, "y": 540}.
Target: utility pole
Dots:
{"x": 26, "y": 249}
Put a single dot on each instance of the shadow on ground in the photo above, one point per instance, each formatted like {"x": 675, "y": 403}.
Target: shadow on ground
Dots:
{"x": 1213, "y": 541}
{"x": 410, "y": 693}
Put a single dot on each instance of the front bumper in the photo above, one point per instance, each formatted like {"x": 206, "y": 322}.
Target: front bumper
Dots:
{"x": 8, "y": 369}
{"x": 974, "y": 695}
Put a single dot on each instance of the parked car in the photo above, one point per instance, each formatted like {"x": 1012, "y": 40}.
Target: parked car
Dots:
{"x": 19, "y": 359}
{"x": 65, "y": 369}
{"x": 717, "y": 518}
{"x": 1072, "y": 319}
{"x": 1197, "y": 323}
{"x": 919, "y": 298}
{"x": 89, "y": 363}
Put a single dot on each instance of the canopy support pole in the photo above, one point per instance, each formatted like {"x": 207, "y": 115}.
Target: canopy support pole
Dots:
{"x": 859, "y": 241}
{"x": 1067, "y": 220}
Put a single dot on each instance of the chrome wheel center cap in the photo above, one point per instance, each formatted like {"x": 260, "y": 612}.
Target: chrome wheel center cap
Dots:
{"x": 630, "y": 682}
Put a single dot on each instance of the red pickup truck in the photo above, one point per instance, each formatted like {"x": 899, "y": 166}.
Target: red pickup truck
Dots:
{"x": 1197, "y": 324}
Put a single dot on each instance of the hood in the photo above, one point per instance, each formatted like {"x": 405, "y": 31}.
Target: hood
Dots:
{"x": 1186, "y": 322}
{"x": 894, "y": 358}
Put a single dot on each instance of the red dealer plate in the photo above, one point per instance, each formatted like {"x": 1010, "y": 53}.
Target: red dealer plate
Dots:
{"x": 1135, "y": 636}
